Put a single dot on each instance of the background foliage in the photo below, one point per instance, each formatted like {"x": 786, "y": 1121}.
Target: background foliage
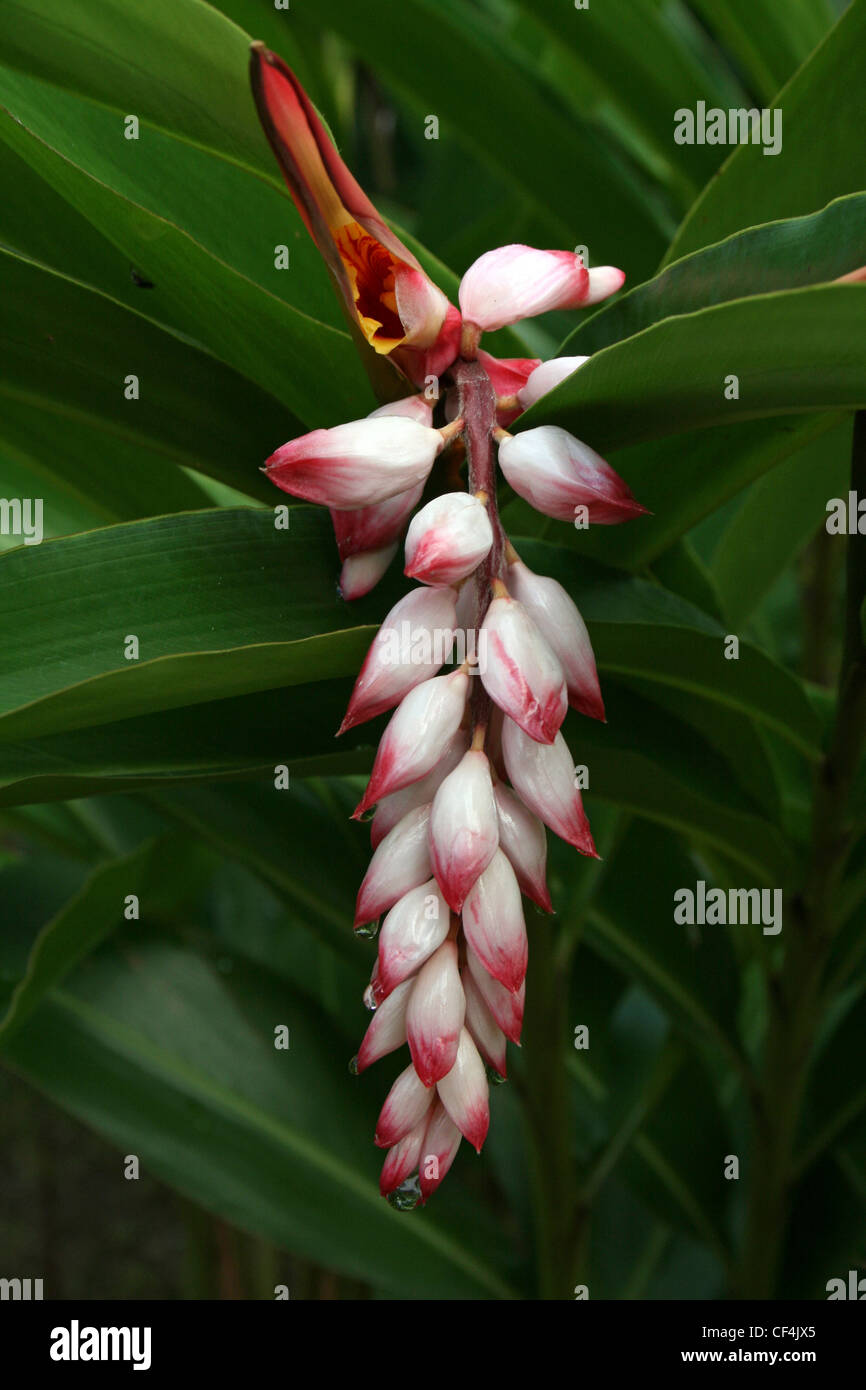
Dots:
{"x": 156, "y": 257}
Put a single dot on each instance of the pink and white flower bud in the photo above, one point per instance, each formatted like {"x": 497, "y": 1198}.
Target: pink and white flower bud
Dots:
{"x": 464, "y": 1093}
{"x": 557, "y": 474}
{"x": 464, "y": 829}
{"x": 517, "y": 282}
{"x": 356, "y": 464}
{"x": 493, "y": 923}
{"x": 405, "y": 1106}
{"x": 434, "y": 1015}
{"x": 523, "y": 839}
{"x": 393, "y": 808}
{"x": 410, "y": 647}
{"x": 546, "y": 376}
{"x": 543, "y": 776}
{"x": 400, "y": 863}
{"x": 387, "y": 1027}
{"x": 558, "y": 619}
{"x": 522, "y": 675}
{"x": 361, "y": 573}
{"x": 371, "y": 528}
{"x": 417, "y": 735}
{"x": 415, "y": 927}
{"x": 448, "y": 539}
{"x": 438, "y": 1150}
{"x": 402, "y": 1160}
{"x": 506, "y": 1008}
{"x": 604, "y": 280}
{"x": 483, "y": 1029}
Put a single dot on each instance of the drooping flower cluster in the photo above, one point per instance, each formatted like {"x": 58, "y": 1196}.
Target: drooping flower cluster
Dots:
{"x": 479, "y": 662}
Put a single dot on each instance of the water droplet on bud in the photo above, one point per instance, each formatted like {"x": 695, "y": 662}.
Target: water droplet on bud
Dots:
{"x": 493, "y": 1077}
{"x": 370, "y": 999}
{"x": 353, "y": 1065}
{"x": 406, "y": 1196}
{"x": 367, "y": 931}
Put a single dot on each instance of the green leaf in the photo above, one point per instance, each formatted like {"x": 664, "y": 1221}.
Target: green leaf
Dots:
{"x": 451, "y": 64}
{"x": 80, "y": 925}
{"x": 646, "y": 69}
{"x": 59, "y": 382}
{"x": 215, "y": 273}
{"x": 175, "y": 1060}
{"x": 220, "y": 602}
{"x": 781, "y": 255}
{"x": 768, "y": 40}
{"x": 823, "y": 157}
{"x": 244, "y": 736}
{"x": 179, "y": 64}
{"x": 690, "y": 972}
{"x": 750, "y": 553}
{"x": 656, "y": 767}
{"x": 640, "y": 631}
{"x": 792, "y": 351}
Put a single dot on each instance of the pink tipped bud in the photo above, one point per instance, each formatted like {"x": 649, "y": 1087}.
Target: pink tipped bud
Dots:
{"x": 357, "y": 464}
{"x": 523, "y": 839}
{"x": 546, "y": 376}
{"x": 387, "y": 1029}
{"x": 493, "y": 923}
{"x": 401, "y": 1161}
{"x": 506, "y": 1008}
{"x": 401, "y": 862}
{"x": 371, "y": 528}
{"x": 417, "y": 736}
{"x": 543, "y": 775}
{"x": 483, "y": 1029}
{"x": 448, "y": 539}
{"x": 518, "y": 282}
{"x": 393, "y": 808}
{"x": 414, "y": 928}
{"x": 410, "y": 646}
{"x": 557, "y": 618}
{"x": 464, "y": 1094}
{"x": 438, "y": 1149}
{"x": 522, "y": 675}
{"x": 434, "y": 1015}
{"x": 464, "y": 830}
{"x": 405, "y": 1106}
{"x": 604, "y": 280}
{"x": 362, "y": 572}
{"x": 557, "y": 474}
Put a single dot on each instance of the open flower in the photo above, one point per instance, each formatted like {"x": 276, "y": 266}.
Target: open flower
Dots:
{"x": 391, "y": 302}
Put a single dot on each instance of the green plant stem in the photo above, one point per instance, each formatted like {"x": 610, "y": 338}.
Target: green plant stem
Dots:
{"x": 796, "y": 991}
{"x": 548, "y": 1117}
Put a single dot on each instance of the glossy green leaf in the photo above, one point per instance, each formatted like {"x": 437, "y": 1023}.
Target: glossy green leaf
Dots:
{"x": 174, "y": 1060}
{"x": 779, "y": 514}
{"x": 788, "y": 254}
{"x": 80, "y": 925}
{"x": 59, "y": 381}
{"x": 793, "y": 350}
{"x": 451, "y": 65}
{"x": 769, "y": 41}
{"x": 822, "y": 157}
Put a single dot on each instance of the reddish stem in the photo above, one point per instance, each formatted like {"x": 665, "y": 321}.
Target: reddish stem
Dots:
{"x": 477, "y": 406}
